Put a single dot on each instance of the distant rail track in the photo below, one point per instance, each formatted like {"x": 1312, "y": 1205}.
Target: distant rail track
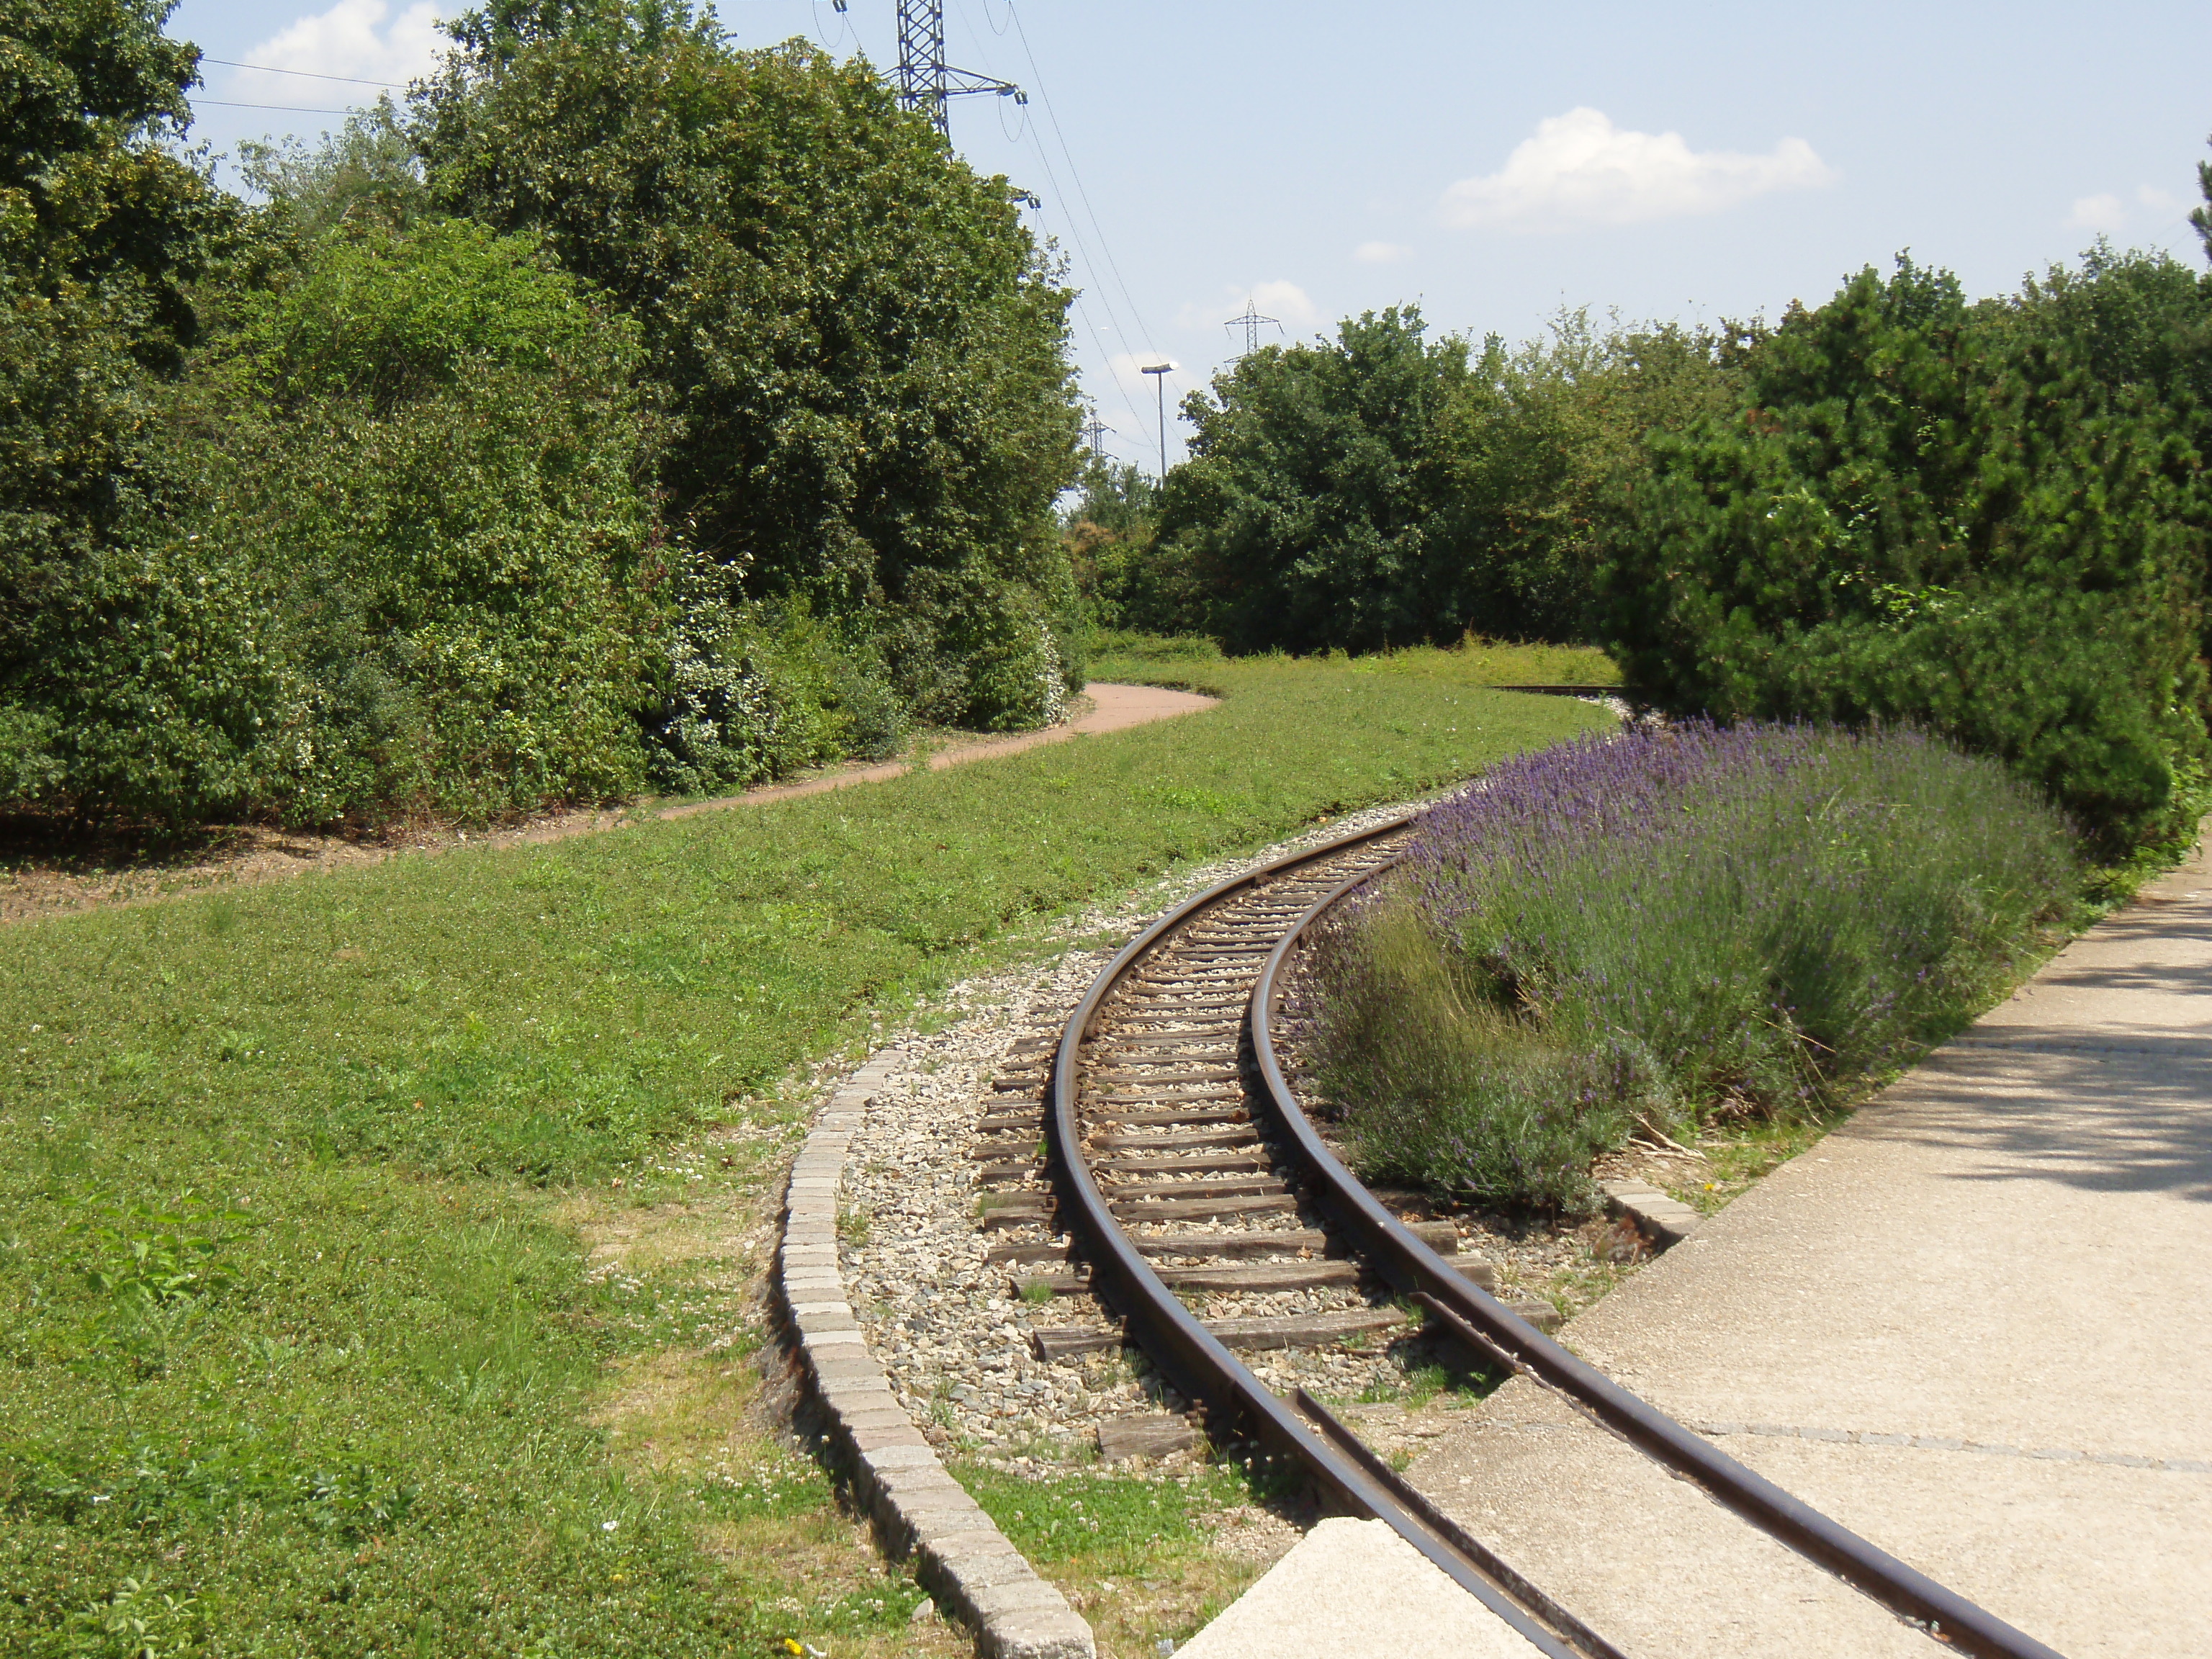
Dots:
{"x": 1183, "y": 1167}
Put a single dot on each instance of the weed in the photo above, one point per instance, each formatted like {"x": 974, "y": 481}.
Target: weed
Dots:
{"x": 136, "y": 1621}
{"x": 1425, "y": 1382}
{"x": 150, "y": 1267}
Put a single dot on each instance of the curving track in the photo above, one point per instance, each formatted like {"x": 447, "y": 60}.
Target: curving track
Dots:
{"x": 1204, "y": 1208}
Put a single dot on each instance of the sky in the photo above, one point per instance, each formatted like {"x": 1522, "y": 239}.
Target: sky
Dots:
{"x": 1491, "y": 164}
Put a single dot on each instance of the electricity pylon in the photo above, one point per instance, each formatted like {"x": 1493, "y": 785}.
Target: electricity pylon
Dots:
{"x": 1096, "y": 430}
{"x": 1250, "y": 322}
{"x": 925, "y": 80}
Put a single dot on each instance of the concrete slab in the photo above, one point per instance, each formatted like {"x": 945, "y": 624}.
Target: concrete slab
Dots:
{"x": 1355, "y": 1587}
{"x": 2091, "y": 1558}
{"x": 1648, "y": 1561}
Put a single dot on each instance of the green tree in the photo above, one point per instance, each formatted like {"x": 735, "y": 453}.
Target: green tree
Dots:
{"x": 865, "y": 350}
{"x": 1111, "y": 533}
{"x": 1313, "y": 509}
{"x": 1921, "y": 515}
{"x": 416, "y": 571}
{"x": 2201, "y": 217}
{"x": 1384, "y": 489}
{"x": 1549, "y": 443}
{"x": 366, "y": 175}
{"x": 1118, "y": 497}
{"x": 92, "y": 201}
{"x": 437, "y": 477}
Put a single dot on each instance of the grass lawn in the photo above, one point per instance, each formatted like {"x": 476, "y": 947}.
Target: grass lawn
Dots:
{"x": 1150, "y": 659}
{"x": 380, "y": 1251}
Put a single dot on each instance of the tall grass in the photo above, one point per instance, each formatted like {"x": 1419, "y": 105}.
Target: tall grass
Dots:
{"x": 1667, "y": 926}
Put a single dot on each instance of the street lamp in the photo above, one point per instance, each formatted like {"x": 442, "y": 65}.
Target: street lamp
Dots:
{"x": 1160, "y": 372}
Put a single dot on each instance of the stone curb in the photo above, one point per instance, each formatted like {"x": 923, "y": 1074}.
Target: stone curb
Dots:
{"x": 1665, "y": 1221}
{"x": 962, "y": 1558}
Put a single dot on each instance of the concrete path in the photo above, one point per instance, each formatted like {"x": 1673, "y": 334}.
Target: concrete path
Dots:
{"x": 1973, "y": 1325}
{"x": 1356, "y": 1587}
{"x": 1113, "y": 708}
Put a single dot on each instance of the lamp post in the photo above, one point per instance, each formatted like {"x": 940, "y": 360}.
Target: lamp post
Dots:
{"x": 1160, "y": 372}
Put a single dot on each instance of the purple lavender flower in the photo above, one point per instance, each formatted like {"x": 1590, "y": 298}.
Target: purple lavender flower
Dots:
{"x": 1654, "y": 925}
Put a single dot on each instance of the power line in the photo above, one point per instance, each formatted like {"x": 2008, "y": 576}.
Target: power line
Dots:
{"x": 1097, "y": 288}
{"x": 1106, "y": 359}
{"x": 292, "y": 109}
{"x": 1036, "y": 79}
{"x": 310, "y": 75}
{"x": 1113, "y": 266}
{"x": 925, "y": 81}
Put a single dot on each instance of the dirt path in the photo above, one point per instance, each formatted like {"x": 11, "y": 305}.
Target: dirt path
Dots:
{"x": 1113, "y": 708}
{"x": 48, "y": 886}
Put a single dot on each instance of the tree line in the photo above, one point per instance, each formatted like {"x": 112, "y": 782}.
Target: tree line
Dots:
{"x": 1985, "y": 519}
{"x": 620, "y": 410}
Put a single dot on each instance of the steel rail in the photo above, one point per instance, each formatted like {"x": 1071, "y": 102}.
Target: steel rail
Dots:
{"x": 1199, "y": 1362}
{"x": 1481, "y": 1321}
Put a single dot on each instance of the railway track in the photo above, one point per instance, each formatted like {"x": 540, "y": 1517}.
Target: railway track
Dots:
{"x": 1157, "y": 1136}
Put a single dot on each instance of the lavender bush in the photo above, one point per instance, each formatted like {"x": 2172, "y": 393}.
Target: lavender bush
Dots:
{"x": 1667, "y": 926}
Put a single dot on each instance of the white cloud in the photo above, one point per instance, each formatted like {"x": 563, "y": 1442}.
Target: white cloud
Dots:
{"x": 1382, "y": 253}
{"x": 1286, "y": 302}
{"x": 2099, "y": 213}
{"x": 2108, "y": 215}
{"x": 358, "y": 38}
{"x": 1580, "y": 169}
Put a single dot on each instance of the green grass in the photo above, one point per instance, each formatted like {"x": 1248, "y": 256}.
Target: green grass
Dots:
{"x": 1134, "y": 1555}
{"x": 1190, "y": 660}
{"x": 490, "y": 1138}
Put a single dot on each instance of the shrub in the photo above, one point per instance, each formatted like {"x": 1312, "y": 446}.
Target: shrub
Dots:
{"x": 758, "y": 690}
{"x": 1927, "y": 518}
{"x": 974, "y": 650}
{"x": 1669, "y": 925}
{"x": 444, "y": 506}
{"x": 412, "y": 572}
{"x": 102, "y": 226}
